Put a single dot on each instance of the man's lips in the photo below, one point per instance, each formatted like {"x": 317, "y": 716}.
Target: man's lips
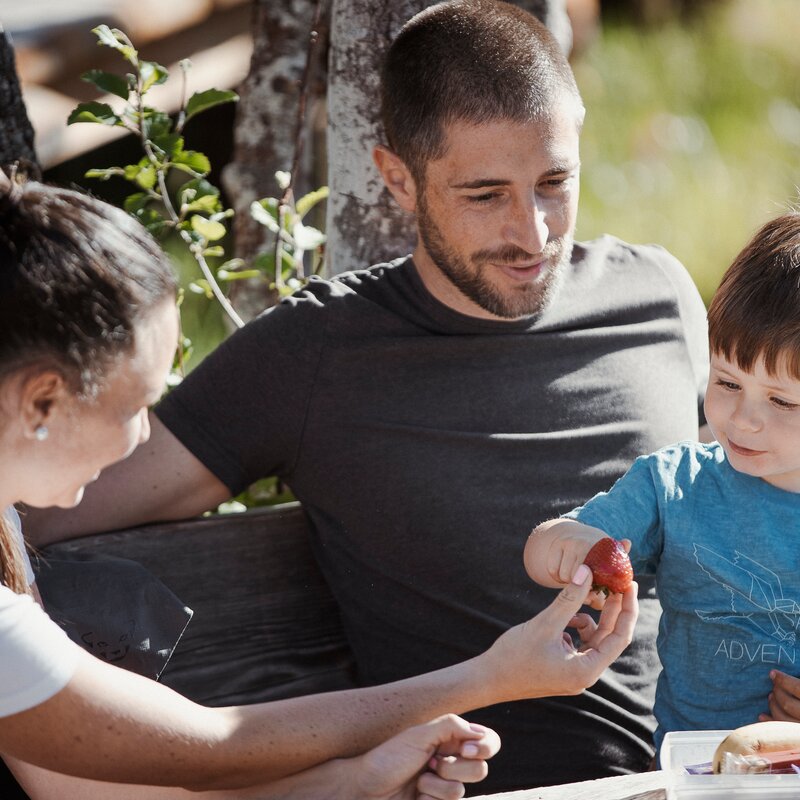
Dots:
{"x": 744, "y": 451}
{"x": 522, "y": 272}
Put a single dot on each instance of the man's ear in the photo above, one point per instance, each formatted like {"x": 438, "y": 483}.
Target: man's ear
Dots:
{"x": 40, "y": 393}
{"x": 397, "y": 177}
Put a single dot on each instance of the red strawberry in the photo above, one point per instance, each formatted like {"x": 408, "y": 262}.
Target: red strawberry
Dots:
{"x": 610, "y": 566}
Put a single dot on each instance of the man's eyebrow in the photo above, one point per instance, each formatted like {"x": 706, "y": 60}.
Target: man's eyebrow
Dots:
{"x": 482, "y": 183}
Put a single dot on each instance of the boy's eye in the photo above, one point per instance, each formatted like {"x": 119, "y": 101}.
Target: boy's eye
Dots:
{"x": 730, "y": 385}
{"x": 782, "y": 403}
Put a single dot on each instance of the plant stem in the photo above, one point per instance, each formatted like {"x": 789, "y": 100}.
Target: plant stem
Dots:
{"x": 313, "y": 37}
{"x": 194, "y": 247}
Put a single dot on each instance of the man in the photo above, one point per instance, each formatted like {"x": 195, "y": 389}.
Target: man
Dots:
{"x": 429, "y": 412}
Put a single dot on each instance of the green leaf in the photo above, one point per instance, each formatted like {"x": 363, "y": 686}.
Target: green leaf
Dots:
{"x": 134, "y": 203}
{"x": 193, "y": 192}
{"x": 115, "y": 38}
{"x": 210, "y": 231}
{"x": 193, "y": 162}
{"x": 226, "y": 275}
{"x": 168, "y": 144}
{"x": 94, "y": 112}
{"x": 207, "y": 204}
{"x": 107, "y": 82}
{"x": 152, "y": 74}
{"x": 104, "y": 174}
{"x": 306, "y": 237}
{"x": 155, "y": 124}
{"x": 202, "y": 286}
{"x": 214, "y": 252}
{"x": 202, "y": 101}
{"x": 147, "y": 177}
{"x": 308, "y": 201}
{"x": 265, "y": 212}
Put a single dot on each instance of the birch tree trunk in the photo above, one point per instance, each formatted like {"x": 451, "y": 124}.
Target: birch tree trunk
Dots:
{"x": 16, "y": 132}
{"x": 364, "y": 225}
{"x": 264, "y": 129}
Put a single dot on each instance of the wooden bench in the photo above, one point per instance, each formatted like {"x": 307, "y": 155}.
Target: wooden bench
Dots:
{"x": 265, "y": 623}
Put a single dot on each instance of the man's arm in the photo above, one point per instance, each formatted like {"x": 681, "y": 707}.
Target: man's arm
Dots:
{"x": 161, "y": 480}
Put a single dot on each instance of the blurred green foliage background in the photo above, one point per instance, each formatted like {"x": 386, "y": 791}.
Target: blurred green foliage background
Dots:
{"x": 692, "y": 133}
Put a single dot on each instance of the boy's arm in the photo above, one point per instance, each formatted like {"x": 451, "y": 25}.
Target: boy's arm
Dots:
{"x": 556, "y": 548}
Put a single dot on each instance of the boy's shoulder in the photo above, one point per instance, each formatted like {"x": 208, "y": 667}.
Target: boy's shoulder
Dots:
{"x": 682, "y": 463}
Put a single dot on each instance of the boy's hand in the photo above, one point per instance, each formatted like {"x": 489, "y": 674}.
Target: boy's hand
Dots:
{"x": 784, "y": 699}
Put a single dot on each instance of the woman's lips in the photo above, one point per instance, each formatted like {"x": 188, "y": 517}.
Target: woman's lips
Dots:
{"x": 744, "y": 451}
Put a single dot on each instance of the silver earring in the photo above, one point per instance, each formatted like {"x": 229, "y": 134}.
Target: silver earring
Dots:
{"x": 41, "y": 433}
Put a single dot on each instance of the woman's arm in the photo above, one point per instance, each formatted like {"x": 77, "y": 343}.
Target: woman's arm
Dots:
{"x": 395, "y": 769}
{"x": 121, "y": 727}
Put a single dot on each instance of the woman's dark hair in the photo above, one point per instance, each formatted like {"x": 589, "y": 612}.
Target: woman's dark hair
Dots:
{"x": 474, "y": 61}
{"x": 755, "y": 313}
{"x": 75, "y": 275}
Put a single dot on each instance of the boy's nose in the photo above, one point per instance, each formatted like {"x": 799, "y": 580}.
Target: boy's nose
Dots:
{"x": 746, "y": 417}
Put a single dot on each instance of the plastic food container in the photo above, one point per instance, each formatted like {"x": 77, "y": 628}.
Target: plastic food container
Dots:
{"x": 684, "y": 748}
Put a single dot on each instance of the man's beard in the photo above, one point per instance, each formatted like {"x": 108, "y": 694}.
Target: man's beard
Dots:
{"x": 525, "y": 300}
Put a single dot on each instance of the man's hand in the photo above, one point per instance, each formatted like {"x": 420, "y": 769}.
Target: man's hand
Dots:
{"x": 430, "y": 762}
{"x": 538, "y": 658}
{"x": 784, "y": 699}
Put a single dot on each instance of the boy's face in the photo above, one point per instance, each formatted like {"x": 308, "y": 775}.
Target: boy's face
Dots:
{"x": 755, "y": 416}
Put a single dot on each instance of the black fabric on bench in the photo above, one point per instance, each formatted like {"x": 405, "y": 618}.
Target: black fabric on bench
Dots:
{"x": 265, "y": 623}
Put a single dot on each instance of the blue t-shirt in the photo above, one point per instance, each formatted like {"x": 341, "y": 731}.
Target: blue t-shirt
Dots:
{"x": 725, "y": 549}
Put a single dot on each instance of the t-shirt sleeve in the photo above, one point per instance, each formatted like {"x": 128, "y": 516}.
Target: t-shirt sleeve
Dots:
{"x": 241, "y": 411}
{"x": 629, "y": 510}
{"x": 693, "y": 317}
{"x": 37, "y": 659}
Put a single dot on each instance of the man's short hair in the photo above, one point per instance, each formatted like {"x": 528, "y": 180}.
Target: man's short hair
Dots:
{"x": 468, "y": 60}
{"x": 756, "y": 310}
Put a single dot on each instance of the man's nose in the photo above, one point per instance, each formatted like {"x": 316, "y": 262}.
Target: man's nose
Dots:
{"x": 526, "y": 227}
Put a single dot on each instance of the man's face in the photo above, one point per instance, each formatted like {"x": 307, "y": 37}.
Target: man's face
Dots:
{"x": 496, "y": 215}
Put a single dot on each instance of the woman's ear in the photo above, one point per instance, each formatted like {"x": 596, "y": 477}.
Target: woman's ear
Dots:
{"x": 40, "y": 396}
{"x": 397, "y": 177}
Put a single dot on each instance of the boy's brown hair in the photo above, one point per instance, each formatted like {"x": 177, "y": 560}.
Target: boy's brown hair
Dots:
{"x": 756, "y": 310}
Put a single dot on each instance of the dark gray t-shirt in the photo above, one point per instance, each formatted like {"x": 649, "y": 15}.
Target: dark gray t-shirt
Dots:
{"x": 425, "y": 445}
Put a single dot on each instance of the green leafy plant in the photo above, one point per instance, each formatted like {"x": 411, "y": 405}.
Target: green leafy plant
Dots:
{"x": 192, "y": 208}
{"x": 173, "y": 194}
{"x": 173, "y": 197}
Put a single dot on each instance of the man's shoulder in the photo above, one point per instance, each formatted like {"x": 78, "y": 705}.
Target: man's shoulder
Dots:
{"x": 612, "y": 252}
{"x": 637, "y": 275}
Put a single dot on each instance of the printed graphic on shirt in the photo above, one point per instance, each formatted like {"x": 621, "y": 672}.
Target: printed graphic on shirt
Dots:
{"x": 755, "y": 594}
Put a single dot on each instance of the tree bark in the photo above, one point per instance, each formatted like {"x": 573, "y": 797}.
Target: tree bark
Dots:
{"x": 16, "y": 132}
{"x": 264, "y": 129}
{"x": 364, "y": 225}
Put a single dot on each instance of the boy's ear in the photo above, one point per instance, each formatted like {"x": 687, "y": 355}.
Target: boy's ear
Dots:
{"x": 397, "y": 177}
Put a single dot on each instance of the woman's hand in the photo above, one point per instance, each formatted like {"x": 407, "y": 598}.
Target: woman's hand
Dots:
{"x": 432, "y": 761}
{"x": 538, "y": 658}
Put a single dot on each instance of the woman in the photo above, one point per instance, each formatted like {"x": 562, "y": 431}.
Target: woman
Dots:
{"x": 88, "y": 328}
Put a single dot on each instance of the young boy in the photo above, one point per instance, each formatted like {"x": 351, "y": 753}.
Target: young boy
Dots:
{"x": 718, "y": 524}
